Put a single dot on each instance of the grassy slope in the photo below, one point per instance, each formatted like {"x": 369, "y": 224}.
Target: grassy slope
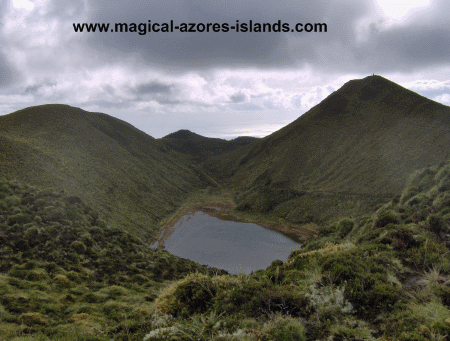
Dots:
{"x": 349, "y": 153}
{"x": 384, "y": 275}
{"x": 129, "y": 177}
{"x": 65, "y": 273}
{"x": 201, "y": 147}
{"x": 364, "y": 138}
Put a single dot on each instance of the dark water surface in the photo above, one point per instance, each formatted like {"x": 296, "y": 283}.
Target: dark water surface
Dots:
{"x": 235, "y": 247}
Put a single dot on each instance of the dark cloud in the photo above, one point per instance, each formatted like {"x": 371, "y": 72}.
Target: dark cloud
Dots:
{"x": 412, "y": 47}
{"x": 210, "y": 50}
{"x": 153, "y": 88}
{"x": 238, "y": 98}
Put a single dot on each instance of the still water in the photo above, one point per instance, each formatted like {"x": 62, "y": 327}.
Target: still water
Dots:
{"x": 232, "y": 246}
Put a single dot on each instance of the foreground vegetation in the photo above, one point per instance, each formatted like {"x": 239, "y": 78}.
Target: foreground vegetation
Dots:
{"x": 66, "y": 275}
{"x": 385, "y": 275}
{"x": 376, "y": 266}
{"x": 381, "y": 276}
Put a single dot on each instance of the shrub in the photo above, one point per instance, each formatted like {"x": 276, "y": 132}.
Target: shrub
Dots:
{"x": 78, "y": 247}
{"x": 401, "y": 239}
{"x": 62, "y": 281}
{"x": 36, "y": 275}
{"x": 420, "y": 199}
{"x": 115, "y": 291}
{"x": 444, "y": 184}
{"x": 32, "y": 318}
{"x": 31, "y": 234}
{"x": 20, "y": 218}
{"x": 345, "y": 226}
{"x": 435, "y": 223}
{"x": 386, "y": 219}
{"x": 366, "y": 285}
{"x": 351, "y": 330}
{"x": 285, "y": 329}
{"x": 13, "y": 200}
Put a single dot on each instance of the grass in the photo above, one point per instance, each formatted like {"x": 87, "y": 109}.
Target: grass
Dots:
{"x": 351, "y": 147}
{"x": 69, "y": 275}
{"x": 76, "y": 265}
{"x": 130, "y": 178}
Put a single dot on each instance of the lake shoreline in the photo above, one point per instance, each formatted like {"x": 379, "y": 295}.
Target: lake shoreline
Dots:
{"x": 299, "y": 233}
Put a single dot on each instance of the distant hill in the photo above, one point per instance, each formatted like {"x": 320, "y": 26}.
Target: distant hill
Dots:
{"x": 364, "y": 138}
{"x": 200, "y": 147}
{"x": 131, "y": 178}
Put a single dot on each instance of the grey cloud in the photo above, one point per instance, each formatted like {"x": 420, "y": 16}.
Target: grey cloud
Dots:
{"x": 31, "y": 89}
{"x": 415, "y": 46}
{"x": 153, "y": 88}
{"x": 174, "y": 51}
{"x": 34, "y": 89}
{"x": 66, "y": 9}
{"x": 238, "y": 98}
{"x": 156, "y": 91}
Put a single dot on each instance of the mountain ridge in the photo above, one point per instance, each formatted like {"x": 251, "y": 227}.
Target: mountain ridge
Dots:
{"x": 127, "y": 175}
{"x": 199, "y": 147}
{"x": 363, "y": 121}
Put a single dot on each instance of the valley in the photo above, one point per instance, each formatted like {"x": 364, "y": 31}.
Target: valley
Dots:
{"x": 362, "y": 180}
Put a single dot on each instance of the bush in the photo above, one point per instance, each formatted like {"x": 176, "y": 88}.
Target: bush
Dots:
{"x": 435, "y": 223}
{"x": 36, "y": 275}
{"x": 32, "y": 318}
{"x": 345, "y": 226}
{"x": 401, "y": 239}
{"x": 386, "y": 219}
{"x": 20, "y": 218}
{"x": 78, "y": 247}
{"x": 366, "y": 285}
{"x": 284, "y": 329}
{"x": 62, "y": 281}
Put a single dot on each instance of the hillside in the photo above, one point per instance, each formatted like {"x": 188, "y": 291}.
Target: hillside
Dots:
{"x": 65, "y": 272}
{"x": 200, "y": 147}
{"x": 66, "y": 275}
{"x": 75, "y": 263}
{"x": 354, "y": 149}
{"x": 364, "y": 138}
{"x": 132, "y": 179}
{"x": 380, "y": 276}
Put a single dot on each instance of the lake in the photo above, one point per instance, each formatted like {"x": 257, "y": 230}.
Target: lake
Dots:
{"x": 232, "y": 246}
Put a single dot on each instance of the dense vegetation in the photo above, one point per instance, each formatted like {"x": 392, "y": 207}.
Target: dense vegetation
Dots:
{"x": 76, "y": 265}
{"x": 66, "y": 274}
{"x": 385, "y": 276}
{"x": 129, "y": 177}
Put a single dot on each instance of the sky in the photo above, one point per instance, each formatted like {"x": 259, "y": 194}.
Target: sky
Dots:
{"x": 217, "y": 84}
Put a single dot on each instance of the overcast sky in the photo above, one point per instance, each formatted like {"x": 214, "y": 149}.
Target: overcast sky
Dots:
{"x": 223, "y": 84}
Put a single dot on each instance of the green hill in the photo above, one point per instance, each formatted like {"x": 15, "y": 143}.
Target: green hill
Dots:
{"x": 200, "y": 147}
{"x": 361, "y": 142}
{"x": 75, "y": 262}
{"x": 364, "y": 138}
{"x": 129, "y": 177}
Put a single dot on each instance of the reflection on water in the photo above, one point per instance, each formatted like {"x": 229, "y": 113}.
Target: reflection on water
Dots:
{"x": 235, "y": 247}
